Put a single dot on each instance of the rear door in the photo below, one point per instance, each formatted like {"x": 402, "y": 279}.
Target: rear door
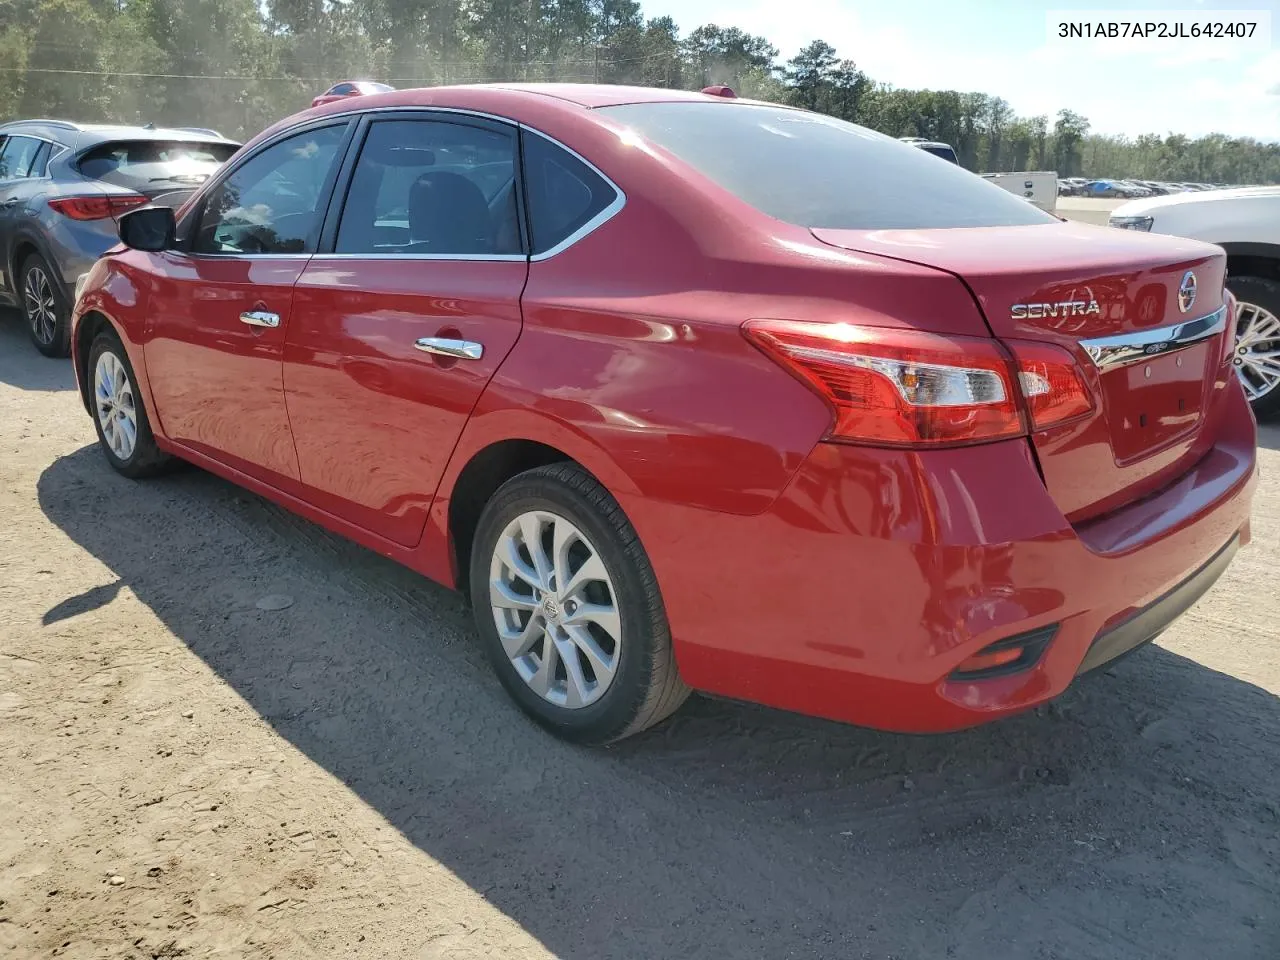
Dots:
{"x": 221, "y": 307}
{"x": 402, "y": 319}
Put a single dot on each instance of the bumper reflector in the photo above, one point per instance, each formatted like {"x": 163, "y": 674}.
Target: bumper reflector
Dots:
{"x": 1006, "y": 657}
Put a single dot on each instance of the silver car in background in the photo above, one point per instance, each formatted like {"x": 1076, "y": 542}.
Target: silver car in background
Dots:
{"x": 62, "y": 186}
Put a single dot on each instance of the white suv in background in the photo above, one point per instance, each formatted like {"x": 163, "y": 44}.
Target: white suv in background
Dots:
{"x": 1246, "y": 223}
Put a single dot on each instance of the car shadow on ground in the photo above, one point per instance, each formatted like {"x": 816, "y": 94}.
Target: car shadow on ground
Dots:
{"x": 22, "y": 366}
{"x": 1138, "y": 816}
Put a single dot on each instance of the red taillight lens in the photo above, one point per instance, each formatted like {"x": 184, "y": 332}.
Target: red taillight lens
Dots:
{"x": 898, "y": 387}
{"x": 97, "y": 206}
{"x": 1051, "y": 383}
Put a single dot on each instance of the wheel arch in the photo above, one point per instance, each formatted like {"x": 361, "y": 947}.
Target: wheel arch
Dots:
{"x": 496, "y": 447}
{"x": 1253, "y": 260}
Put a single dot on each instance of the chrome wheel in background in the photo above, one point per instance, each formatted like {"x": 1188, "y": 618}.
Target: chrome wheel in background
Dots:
{"x": 114, "y": 405}
{"x": 555, "y": 608}
{"x": 41, "y": 305}
{"x": 1257, "y": 357}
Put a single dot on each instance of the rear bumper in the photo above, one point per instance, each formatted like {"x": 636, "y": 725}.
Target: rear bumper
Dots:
{"x": 877, "y": 573}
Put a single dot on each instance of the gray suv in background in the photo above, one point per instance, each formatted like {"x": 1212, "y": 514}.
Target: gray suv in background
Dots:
{"x": 62, "y": 186}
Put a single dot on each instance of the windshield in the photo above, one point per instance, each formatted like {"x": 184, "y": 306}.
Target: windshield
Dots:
{"x": 816, "y": 171}
{"x": 145, "y": 164}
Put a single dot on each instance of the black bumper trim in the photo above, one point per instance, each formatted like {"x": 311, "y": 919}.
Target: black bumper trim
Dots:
{"x": 1151, "y": 621}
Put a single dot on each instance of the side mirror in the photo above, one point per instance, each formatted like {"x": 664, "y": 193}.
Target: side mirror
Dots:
{"x": 151, "y": 229}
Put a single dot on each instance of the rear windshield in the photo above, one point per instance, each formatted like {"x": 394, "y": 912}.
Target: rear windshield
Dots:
{"x": 148, "y": 164}
{"x": 946, "y": 153}
{"x": 816, "y": 171}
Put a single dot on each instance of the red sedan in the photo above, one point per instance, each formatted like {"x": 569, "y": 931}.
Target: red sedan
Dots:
{"x": 350, "y": 88}
{"x": 691, "y": 392}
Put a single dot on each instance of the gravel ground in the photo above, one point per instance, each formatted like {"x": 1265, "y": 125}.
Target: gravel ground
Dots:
{"x": 186, "y": 773}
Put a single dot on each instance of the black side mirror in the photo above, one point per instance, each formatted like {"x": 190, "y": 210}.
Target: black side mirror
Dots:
{"x": 151, "y": 229}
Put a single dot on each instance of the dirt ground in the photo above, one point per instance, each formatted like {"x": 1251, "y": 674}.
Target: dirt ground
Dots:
{"x": 184, "y": 773}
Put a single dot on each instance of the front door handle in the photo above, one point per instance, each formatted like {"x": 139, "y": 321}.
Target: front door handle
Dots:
{"x": 446, "y": 347}
{"x": 12, "y": 202}
{"x": 260, "y": 318}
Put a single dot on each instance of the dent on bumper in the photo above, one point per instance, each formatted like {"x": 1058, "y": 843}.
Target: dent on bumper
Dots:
{"x": 877, "y": 572}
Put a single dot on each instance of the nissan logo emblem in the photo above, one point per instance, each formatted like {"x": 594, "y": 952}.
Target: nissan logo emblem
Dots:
{"x": 1187, "y": 292}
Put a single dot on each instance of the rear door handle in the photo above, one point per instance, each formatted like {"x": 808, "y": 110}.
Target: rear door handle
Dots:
{"x": 12, "y": 202}
{"x": 445, "y": 347}
{"x": 260, "y": 318}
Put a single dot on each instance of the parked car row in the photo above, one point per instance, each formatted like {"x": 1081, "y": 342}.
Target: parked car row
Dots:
{"x": 696, "y": 416}
{"x": 1128, "y": 189}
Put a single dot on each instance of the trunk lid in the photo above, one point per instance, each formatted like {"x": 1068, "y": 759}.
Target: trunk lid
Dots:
{"x": 1153, "y": 354}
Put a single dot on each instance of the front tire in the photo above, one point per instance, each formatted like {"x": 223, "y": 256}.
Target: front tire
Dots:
{"x": 124, "y": 431}
{"x": 45, "y": 308}
{"x": 1258, "y": 334}
{"x": 568, "y": 608}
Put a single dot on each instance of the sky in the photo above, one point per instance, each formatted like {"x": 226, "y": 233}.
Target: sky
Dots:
{"x": 1003, "y": 47}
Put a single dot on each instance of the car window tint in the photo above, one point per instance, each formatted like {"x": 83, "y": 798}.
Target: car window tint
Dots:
{"x": 432, "y": 187}
{"x": 40, "y": 165}
{"x": 816, "y": 171}
{"x": 564, "y": 194}
{"x": 342, "y": 88}
{"x": 272, "y": 203}
{"x": 17, "y": 155}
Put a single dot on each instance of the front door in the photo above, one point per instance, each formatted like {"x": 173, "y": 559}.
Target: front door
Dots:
{"x": 221, "y": 308}
{"x": 397, "y": 331}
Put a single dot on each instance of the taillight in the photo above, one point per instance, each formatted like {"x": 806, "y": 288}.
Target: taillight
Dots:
{"x": 96, "y": 206}
{"x": 1050, "y": 382}
{"x": 899, "y": 387}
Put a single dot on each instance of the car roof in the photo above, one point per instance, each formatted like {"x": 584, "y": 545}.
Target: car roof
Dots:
{"x": 89, "y": 134}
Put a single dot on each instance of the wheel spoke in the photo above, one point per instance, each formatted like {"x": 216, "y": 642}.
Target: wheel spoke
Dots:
{"x": 606, "y": 617}
{"x": 602, "y": 664}
{"x": 545, "y": 675}
{"x": 518, "y": 642}
{"x": 563, "y": 536}
{"x": 531, "y": 533}
{"x": 502, "y": 595}
{"x": 577, "y": 689}
{"x": 515, "y": 563}
{"x": 592, "y": 570}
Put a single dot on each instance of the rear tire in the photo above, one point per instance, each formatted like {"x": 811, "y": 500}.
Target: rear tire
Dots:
{"x": 589, "y": 657}
{"x": 119, "y": 416}
{"x": 1258, "y": 314}
{"x": 44, "y": 307}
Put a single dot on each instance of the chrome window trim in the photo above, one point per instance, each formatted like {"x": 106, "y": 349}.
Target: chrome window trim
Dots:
{"x": 56, "y": 150}
{"x": 600, "y": 219}
{"x": 605, "y": 215}
{"x": 1108, "y": 353}
{"x": 478, "y": 257}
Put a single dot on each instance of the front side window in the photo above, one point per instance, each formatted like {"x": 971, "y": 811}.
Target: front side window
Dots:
{"x": 816, "y": 171}
{"x": 341, "y": 90}
{"x": 432, "y": 187}
{"x": 274, "y": 202}
{"x": 17, "y": 155}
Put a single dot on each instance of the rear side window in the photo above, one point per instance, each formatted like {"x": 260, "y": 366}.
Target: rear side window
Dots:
{"x": 148, "y": 165}
{"x": 40, "y": 163}
{"x": 17, "y": 155}
{"x": 816, "y": 171}
{"x": 564, "y": 194}
{"x": 432, "y": 187}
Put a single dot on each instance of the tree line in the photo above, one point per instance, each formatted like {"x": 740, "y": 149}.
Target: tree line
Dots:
{"x": 238, "y": 65}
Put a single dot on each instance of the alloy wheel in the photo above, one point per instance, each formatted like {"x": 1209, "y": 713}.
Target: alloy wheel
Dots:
{"x": 114, "y": 403}
{"x": 42, "y": 308}
{"x": 1257, "y": 353}
{"x": 556, "y": 609}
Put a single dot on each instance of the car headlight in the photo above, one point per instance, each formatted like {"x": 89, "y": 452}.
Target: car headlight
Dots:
{"x": 1131, "y": 223}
